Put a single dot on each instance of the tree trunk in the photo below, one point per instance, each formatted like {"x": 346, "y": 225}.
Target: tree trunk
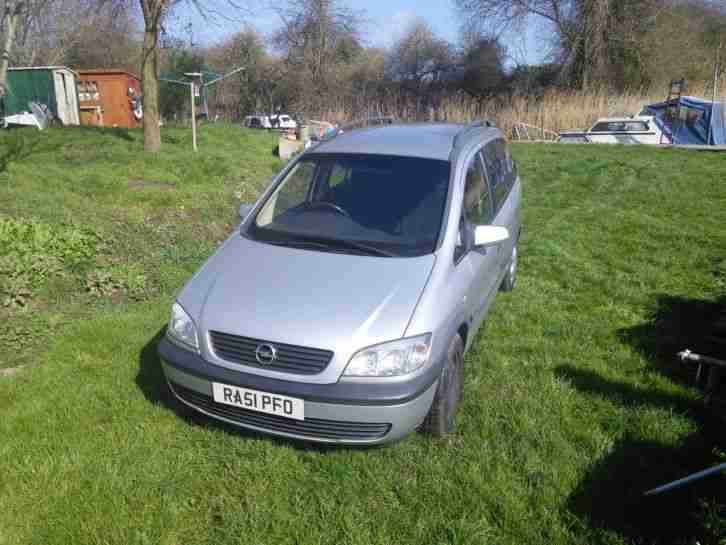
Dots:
{"x": 9, "y": 38}
{"x": 150, "y": 89}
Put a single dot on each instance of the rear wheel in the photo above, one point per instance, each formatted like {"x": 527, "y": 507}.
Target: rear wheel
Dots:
{"x": 510, "y": 278}
{"x": 441, "y": 419}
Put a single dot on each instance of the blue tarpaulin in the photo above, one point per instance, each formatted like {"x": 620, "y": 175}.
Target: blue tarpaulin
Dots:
{"x": 700, "y": 122}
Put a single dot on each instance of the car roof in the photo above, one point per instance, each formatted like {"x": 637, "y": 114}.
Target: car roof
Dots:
{"x": 425, "y": 140}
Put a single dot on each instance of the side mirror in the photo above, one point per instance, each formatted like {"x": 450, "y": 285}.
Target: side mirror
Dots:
{"x": 244, "y": 210}
{"x": 489, "y": 235}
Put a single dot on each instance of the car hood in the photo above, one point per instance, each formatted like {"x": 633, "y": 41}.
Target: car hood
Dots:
{"x": 331, "y": 301}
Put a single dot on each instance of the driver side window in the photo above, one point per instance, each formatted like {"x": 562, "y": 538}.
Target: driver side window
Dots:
{"x": 339, "y": 174}
{"x": 477, "y": 209}
{"x": 477, "y": 200}
{"x": 291, "y": 193}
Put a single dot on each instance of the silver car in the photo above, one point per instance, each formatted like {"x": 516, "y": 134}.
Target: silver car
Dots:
{"x": 341, "y": 309}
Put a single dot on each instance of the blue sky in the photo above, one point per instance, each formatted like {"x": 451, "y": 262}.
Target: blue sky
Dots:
{"x": 386, "y": 20}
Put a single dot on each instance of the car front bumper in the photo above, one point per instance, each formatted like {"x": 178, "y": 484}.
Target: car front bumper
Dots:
{"x": 347, "y": 413}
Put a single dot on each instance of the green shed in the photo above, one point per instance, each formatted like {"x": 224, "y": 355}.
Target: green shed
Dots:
{"x": 54, "y": 86}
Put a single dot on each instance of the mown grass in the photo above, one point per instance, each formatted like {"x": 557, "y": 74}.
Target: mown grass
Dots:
{"x": 573, "y": 403}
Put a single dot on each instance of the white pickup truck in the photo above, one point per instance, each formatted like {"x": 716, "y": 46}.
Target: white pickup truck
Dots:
{"x": 263, "y": 121}
{"x": 618, "y": 130}
{"x": 283, "y": 121}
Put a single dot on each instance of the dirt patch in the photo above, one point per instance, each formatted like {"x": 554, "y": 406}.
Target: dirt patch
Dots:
{"x": 9, "y": 371}
{"x": 145, "y": 184}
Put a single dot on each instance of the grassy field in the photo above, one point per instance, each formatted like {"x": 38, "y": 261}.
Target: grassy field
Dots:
{"x": 573, "y": 402}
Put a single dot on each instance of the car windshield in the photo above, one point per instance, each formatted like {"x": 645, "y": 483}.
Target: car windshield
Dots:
{"x": 364, "y": 204}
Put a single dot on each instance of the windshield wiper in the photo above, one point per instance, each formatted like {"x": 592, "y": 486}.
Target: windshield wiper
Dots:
{"x": 336, "y": 244}
{"x": 361, "y": 247}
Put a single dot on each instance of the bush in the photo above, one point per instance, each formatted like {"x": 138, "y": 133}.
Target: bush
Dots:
{"x": 32, "y": 252}
{"x": 117, "y": 281}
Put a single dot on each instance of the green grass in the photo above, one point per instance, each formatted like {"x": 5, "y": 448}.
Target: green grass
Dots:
{"x": 573, "y": 402}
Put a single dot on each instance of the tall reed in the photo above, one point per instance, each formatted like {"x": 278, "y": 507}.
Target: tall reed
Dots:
{"x": 555, "y": 109}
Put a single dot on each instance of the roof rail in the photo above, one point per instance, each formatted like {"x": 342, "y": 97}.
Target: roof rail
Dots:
{"x": 476, "y": 124}
{"x": 369, "y": 122}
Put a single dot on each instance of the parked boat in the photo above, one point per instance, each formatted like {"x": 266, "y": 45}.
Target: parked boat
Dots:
{"x": 683, "y": 120}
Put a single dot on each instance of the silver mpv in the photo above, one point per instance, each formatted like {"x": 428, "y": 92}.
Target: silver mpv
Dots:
{"x": 341, "y": 309}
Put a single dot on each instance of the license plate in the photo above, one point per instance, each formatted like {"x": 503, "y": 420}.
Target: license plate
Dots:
{"x": 262, "y": 402}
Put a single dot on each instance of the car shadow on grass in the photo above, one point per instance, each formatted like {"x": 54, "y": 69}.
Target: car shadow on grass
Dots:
{"x": 610, "y": 497}
{"x": 675, "y": 324}
{"x": 150, "y": 380}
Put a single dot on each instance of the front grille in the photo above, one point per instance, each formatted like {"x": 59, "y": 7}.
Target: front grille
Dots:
{"x": 290, "y": 358}
{"x": 314, "y": 428}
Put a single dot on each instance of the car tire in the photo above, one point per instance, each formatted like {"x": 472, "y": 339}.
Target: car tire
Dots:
{"x": 441, "y": 419}
{"x": 510, "y": 278}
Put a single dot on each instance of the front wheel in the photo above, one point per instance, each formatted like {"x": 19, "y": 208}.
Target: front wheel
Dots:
{"x": 510, "y": 278}
{"x": 441, "y": 419}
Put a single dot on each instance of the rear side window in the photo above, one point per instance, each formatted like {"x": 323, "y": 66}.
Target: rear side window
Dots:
{"x": 477, "y": 201}
{"x": 511, "y": 165}
{"x": 601, "y": 127}
{"x": 636, "y": 126}
{"x": 621, "y": 126}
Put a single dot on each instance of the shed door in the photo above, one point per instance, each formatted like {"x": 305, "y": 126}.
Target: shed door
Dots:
{"x": 72, "y": 97}
{"x": 66, "y": 98}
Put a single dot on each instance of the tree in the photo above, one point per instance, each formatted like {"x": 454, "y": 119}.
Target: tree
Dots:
{"x": 599, "y": 40}
{"x": 693, "y": 32}
{"x": 174, "y": 98}
{"x": 103, "y": 36}
{"x": 16, "y": 18}
{"x": 482, "y": 66}
{"x": 154, "y": 13}
{"x": 79, "y": 33}
{"x": 317, "y": 38}
{"x": 419, "y": 57}
{"x": 533, "y": 80}
{"x": 243, "y": 93}
{"x": 611, "y": 38}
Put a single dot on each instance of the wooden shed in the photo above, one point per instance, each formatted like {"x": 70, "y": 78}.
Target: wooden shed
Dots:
{"x": 109, "y": 98}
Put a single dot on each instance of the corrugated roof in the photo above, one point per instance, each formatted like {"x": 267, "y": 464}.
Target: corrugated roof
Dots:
{"x": 19, "y": 68}
{"x": 40, "y": 68}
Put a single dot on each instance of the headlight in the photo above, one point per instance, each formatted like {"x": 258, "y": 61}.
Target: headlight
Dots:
{"x": 181, "y": 328}
{"x": 391, "y": 359}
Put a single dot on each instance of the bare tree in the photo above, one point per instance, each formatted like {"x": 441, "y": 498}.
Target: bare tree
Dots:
{"x": 83, "y": 34}
{"x": 597, "y": 39}
{"x": 16, "y": 17}
{"x": 501, "y": 15}
{"x": 316, "y": 37}
{"x": 154, "y": 12}
{"x": 259, "y": 87}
